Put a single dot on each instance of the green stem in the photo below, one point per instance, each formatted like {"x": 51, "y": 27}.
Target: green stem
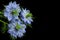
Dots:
{"x": 3, "y": 22}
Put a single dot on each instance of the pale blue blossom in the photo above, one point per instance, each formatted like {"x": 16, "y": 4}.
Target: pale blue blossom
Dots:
{"x": 16, "y": 28}
{"x": 26, "y": 16}
{"x": 12, "y": 10}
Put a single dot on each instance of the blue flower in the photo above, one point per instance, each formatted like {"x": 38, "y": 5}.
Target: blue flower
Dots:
{"x": 12, "y": 11}
{"x": 26, "y": 16}
{"x": 16, "y": 28}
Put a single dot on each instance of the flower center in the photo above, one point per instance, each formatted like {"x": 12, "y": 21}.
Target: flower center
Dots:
{"x": 18, "y": 26}
{"x": 28, "y": 15}
{"x": 14, "y": 12}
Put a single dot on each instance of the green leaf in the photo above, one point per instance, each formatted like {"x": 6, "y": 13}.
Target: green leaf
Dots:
{"x": 4, "y": 28}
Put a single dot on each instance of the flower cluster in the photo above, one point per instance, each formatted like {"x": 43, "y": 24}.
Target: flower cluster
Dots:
{"x": 18, "y": 18}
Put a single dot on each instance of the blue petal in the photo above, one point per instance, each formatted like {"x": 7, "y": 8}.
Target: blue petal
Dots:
{"x": 20, "y": 34}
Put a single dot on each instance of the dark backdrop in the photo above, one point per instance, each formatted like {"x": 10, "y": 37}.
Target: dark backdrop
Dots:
{"x": 39, "y": 9}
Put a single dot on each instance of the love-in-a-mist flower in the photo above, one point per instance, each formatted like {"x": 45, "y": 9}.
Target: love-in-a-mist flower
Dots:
{"x": 12, "y": 10}
{"x": 16, "y": 28}
{"x": 26, "y": 16}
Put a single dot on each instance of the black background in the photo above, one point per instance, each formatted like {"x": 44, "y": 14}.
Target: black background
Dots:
{"x": 40, "y": 11}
